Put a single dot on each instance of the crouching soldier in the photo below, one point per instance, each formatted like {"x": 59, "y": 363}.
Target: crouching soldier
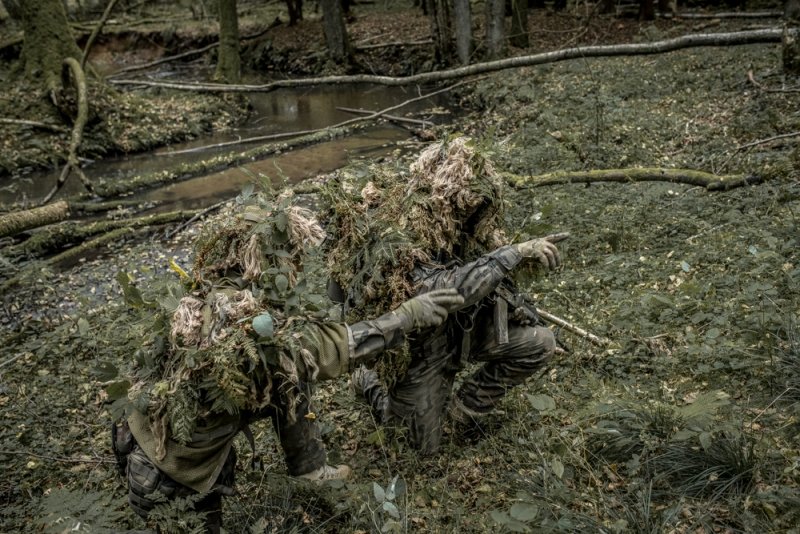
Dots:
{"x": 237, "y": 341}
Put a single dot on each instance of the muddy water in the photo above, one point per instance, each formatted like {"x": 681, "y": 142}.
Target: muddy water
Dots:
{"x": 276, "y": 112}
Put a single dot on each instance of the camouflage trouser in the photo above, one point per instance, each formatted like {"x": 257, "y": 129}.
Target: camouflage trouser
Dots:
{"x": 419, "y": 400}
{"x": 301, "y": 442}
{"x": 302, "y": 448}
{"x": 145, "y": 479}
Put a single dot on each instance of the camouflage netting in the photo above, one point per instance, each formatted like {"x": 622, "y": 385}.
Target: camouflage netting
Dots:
{"x": 448, "y": 205}
{"x": 223, "y": 339}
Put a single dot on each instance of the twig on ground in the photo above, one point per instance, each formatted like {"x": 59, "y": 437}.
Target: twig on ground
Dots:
{"x": 395, "y": 118}
{"x": 558, "y": 321}
{"x": 35, "y": 124}
{"x": 767, "y": 140}
{"x": 96, "y": 31}
{"x": 196, "y": 216}
{"x": 60, "y": 458}
{"x": 712, "y": 182}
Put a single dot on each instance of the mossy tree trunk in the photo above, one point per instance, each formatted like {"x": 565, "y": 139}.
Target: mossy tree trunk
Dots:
{"x": 647, "y": 10}
{"x": 335, "y": 31}
{"x": 519, "y": 23}
{"x": 441, "y": 32}
{"x": 462, "y": 18}
{"x": 48, "y": 41}
{"x": 228, "y": 61}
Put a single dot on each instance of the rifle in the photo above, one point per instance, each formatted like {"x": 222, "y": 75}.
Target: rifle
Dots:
{"x": 522, "y": 304}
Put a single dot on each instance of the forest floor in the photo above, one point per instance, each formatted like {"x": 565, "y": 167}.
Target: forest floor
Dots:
{"x": 688, "y": 422}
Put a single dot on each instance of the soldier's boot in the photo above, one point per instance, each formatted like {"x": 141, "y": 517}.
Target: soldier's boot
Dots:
{"x": 328, "y": 472}
{"x": 471, "y": 425}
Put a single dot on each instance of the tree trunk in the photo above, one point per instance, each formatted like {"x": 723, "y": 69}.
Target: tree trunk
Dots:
{"x": 791, "y": 11}
{"x": 790, "y": 51}
{"x": 335, "y": 31}
{"x": 495, "y": 28}
{"x": 519, "y": 23}
{"x": 14, "y": 9}
{"x": 463, "y": 24}
{"x": 439, "y": 13}
{"x": 607, "y": 7}
{"x": 48, "y": 41}
{"x": 295, "y": 8}
{"x": 228, "y": 60}
{"x": 647, "y": 10}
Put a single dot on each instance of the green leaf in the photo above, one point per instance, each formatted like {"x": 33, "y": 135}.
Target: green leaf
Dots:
{"x": 105, "y": 371}
{"x": 524, "y": 511}
{"x": 557, "y": 467}
{"x": 281, "y": 283}
{"x": 263, "y": 325}
{"x": 390, "y": 508}
{"x": 377, "y": 490}
{"x": 281, "y": 221}
{"x": 542, "y": 403}
{"x": 132, "y": 295}
{"x": 83, "y": 327}
{"x": 118, "y": 390}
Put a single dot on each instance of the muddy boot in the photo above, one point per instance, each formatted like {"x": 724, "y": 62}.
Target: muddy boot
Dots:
{"x": 469, "y": 425}
{"x": 328, "y": 472}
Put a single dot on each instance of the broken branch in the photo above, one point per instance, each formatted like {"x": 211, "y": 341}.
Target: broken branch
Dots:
{"x": 773, "y": 35}
{"x": 558, "y": 321}
{"x": 711, "y": 182}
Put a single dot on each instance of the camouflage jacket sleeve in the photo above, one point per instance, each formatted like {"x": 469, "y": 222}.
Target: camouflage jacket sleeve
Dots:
{"x": 336, "y": 348}
{"x": 474, "y": 280}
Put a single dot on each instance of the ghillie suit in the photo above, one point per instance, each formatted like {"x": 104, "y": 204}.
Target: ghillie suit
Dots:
{"x": 439, "y": 226}
{"x": 237, "y": 340}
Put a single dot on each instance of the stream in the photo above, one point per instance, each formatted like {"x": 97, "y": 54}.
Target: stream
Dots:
{"x": 280, "y": 111}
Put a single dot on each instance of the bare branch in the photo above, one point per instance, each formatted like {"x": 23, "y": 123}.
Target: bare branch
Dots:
{"x": 772, "y": 35}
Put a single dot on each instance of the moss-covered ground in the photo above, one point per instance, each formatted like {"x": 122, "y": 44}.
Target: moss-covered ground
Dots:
{"x": 688, "y": 422}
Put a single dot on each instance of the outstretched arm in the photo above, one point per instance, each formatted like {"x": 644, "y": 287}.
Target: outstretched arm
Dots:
{"x": 479, "y": 278}
{"x": 336, "y": 348}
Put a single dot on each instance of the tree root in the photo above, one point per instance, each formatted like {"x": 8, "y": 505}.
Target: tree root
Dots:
{"x": 711, "y": 182}
{"x": 79, "y": 78}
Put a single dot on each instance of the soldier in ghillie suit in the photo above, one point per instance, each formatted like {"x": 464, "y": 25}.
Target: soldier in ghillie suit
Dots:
{"x": 237, "y": 340}
{"x": 440, "y": 227}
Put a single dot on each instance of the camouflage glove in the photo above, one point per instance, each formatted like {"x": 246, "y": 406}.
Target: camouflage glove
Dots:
{"x": 543, "y": 250}
{"x": 429, "y": 309}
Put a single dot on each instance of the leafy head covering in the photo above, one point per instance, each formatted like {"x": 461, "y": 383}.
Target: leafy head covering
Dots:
{"x": 222, "y": 338}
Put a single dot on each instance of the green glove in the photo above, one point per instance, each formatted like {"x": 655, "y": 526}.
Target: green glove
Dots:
{"x": 429, "y": 309}
{"x": 543, "y": 250}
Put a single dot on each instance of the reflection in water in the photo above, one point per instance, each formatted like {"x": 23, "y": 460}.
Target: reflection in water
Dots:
{"x": 292, "y": 167}
{"x": 284, "y": 110}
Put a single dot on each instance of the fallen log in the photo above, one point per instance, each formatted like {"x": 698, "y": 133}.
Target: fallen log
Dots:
{"x": 58, "y": 236}
{"x": 19, "y": 221}
{"x": 772, "y": 35}
{"x": 711, "y": 182}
